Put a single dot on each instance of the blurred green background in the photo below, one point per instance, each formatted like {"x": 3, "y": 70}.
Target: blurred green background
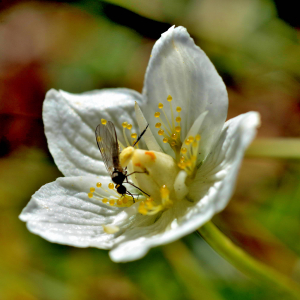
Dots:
{"x": 83, "y": 45}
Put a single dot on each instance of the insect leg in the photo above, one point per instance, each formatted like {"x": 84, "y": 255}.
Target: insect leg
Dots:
{"x": 136, "y": 187}
{"x": 140, "y": 136}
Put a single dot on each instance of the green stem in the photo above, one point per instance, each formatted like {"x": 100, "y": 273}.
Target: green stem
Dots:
{"x": 287, "y": 148}
{"x": 247, "y": 264}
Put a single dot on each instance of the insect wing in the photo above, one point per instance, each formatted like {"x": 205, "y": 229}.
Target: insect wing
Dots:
{"x": 108, "y": 145}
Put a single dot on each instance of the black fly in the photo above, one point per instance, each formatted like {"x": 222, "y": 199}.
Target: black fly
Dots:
{"x": 108, "y": 145}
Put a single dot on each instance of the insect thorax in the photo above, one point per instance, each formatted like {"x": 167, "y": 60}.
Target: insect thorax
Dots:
{"x": 118, "y": 177}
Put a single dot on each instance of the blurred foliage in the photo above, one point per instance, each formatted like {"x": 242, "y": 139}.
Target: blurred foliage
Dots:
{"x": 89, "y": 44}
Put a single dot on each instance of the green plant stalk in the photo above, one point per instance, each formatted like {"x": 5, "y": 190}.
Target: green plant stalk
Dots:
{"x": 285, "y": 148}
{"x": 247, "y": 264}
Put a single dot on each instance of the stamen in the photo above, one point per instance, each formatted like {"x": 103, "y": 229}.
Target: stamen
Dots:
{"x": 103, "y": 121}
{"x": 165, "y": 140}
{"x": 111, "y": 186}
{"x": 104, "y": 200}
{"x": 178, "y": 119}
{"x": 125, "y": 124}
{"x": 160, "y": 132}
{"x": 160, "y": 105}
{"x": 98, "y": 184}
{"x": 134, "y": 135}
{"x": 157, "y": 125}
{"x": 90, "y": 195}
{"x": 129, "y": 126}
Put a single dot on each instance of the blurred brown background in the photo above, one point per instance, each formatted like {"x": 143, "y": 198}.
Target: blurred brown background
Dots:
{"x": 84, "y": 45}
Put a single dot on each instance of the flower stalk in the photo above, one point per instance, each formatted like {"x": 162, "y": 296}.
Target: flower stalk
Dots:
{"x": 285, "y": 148}
{"x": 247, "y": 264}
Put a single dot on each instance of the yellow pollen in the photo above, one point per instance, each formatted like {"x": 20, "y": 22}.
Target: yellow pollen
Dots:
{"x": 129, "y": 126}
{"x": 104, "y": 200}
{"x": 111, "y": 186}
{"x": 183, "y": 150}
{"x": 99, "y": 139}
{"x": 119, "y": 202}
{"x": 178, "y": 119}
{"x": 165, "y": 140}
{"x": 98, "y": 184}
{"x": 174, "y": 136}
{"x": 169, "y": 98}
{"x": 90, "y": 195}
{"x": 198, "y": 137}
{"x": 157, "y": 125}
{"x": 173, "y": 144}
{"x": 178, "y": 109}
{"x": 160, "y": 105}
{"x": 134, "y": 135}
{"x": 92, "y": 189}
{"x": 124, "y": 124}
{"x": 103, "y": 121}
{"x": 111, "y": 202}
{"x": 160, "y": 132}
{"x": 157, "y": 114}
{"x": 187, "y": 142}
{"x": 177, "y": 128}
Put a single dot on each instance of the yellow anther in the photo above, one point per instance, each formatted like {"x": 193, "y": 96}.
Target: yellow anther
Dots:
{"x": 178, "y": 109}
{"x": 173, "y": 144}
{"x": 98, "y": 184}
{"x": 104, "y": 200}
{"x": 99, "y": 139}
{"x": 187, "y": 142}
{"x": 143, "y": 210}
{"x": 134, "y": 135}
{"x": 165, "y": 140}
{"x": 160, "y": 105}
{"x": 129, "y": 126}
{"x": 103, "y": 121}
{"x": 157, "y": 114}
{"x": 90, "y": 195}
{"x": 191, "y": 138}
{"x": 160, "y": 132}
{"x": 181, "y": 165}
{"x": 183, "y": 150}
{"x": 174, "y": 136}
{"x": 195, "y": 144}
{"x": 125, "y": 200}
{"x": 111, "y": 186}
{"x": 169, "y": 98}
{"x": 198, "y": 137}
{"x": 92, "y": 189}
{"x": 178, "y": 119}
{"x": 119, "y": 202}
{"x": 177, "y": 128}
{"x": 111, "y": 202}
{"x": 124, "y": 124}
{"x": 182, "y": 158}
{"x": 157, "y": 125}
{"x": 164, "y": 191}
{"x": 149, "y": 199}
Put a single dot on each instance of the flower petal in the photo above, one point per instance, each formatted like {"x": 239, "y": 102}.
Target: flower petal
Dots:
{"x": 70, "y": 122}
{"x": 179, "y": 68}
{"x": 211, "y": 191}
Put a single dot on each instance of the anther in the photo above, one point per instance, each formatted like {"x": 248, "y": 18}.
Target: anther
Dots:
{"x": 157, "y": 114}
{"x": 98, "y": 184}
{"x": 198, "y": 137}
{"x": 169, "y": 98}
{"x": 177, "y": 128}
{"x": 104, "y": 200}
{"x": 129, "y": 126}
{"x": 124, "y": 124}
{"x": 174, "y": 136}
{"x": 187, "y": 142}
{"x": 157, "y": 125}
{"x": 178, "y": 109}
{"x": 103, "y": 121}
{"x": 119, "y": 202}
{"x": 160, "y": 132}
{"x": 191, "y": 138}
{"x": 134, "y": 135}
{"x": 173, "y": 144}
{"x": 160, "y": 105}
{"x": 90, "y": 195}
{"x": 92, "y": 189}
{"x": 111, "y": 186}
{"x": 125, "y": 200}
{"x": 178, "y": 119}
{"x": 165, "y": 140}
{"x": 111, "y": 202}
{"x": 183, "y": 150}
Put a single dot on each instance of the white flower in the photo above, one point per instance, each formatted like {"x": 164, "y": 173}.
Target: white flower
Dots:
{"x": 191, "y": 156}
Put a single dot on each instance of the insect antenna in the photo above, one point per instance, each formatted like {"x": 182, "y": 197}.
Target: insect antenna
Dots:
{"x": 140, "y": 136}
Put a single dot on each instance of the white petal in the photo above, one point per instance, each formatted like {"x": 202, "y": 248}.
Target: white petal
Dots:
{"x": 61, "y": 212}
{"x": 212, "y": 196}
{"x": 179, "y": 68}
{"x": 70, "y": 122}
